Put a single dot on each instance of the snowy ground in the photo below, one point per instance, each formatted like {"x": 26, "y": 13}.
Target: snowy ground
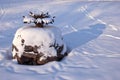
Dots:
{"x": 90, "y": 29}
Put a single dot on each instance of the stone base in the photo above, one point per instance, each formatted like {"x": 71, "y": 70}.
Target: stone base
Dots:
{"x": 32, "y": 59}
{"x": 47, "y": 46}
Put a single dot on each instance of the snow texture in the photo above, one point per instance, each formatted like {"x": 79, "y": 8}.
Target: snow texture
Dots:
{"x": 91, "y": 30}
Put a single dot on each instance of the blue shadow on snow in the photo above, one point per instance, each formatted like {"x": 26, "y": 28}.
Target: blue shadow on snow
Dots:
{"x": 80, "y": 37}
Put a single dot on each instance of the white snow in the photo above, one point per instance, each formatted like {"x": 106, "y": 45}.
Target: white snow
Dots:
{"x": 47, "y": 20}
{"x": 27, "y": 19}
{"x": 91, "y": 30}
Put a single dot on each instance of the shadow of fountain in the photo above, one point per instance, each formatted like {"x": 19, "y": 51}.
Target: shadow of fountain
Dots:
{"x": 80, "y": 37}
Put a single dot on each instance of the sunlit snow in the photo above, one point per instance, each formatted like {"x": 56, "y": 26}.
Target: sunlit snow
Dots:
{"x": 91, "y": 31}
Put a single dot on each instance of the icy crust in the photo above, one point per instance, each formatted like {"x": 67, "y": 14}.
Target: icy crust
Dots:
{"x": 44, "y": 40}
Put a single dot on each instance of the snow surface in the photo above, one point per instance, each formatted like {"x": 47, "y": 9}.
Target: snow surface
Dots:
{"x": 90, "y": 29}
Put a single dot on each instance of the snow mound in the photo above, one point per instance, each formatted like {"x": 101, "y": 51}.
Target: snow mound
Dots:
{"x": 44, "y": 43}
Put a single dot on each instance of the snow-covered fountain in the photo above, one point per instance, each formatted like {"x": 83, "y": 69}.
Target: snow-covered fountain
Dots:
{"x": 40, "y": 43}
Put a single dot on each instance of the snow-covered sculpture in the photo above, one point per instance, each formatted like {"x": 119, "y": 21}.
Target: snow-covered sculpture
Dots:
{"x": 40, "y": 20}
{"x": 39, "y": 44}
